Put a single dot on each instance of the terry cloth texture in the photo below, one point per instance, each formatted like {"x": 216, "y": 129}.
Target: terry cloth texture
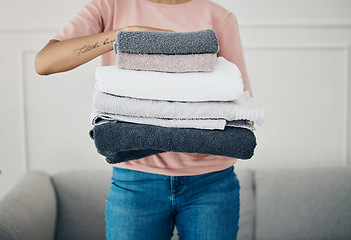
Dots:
{"x": 116, "y": 140}
{"x": 241, "y": 123}
{"x": 242, "y": 108}
{"x": 208, "y": 124}
{"x": 224, "y": 83}
{"x": 171, "y": 43}
{"x": 101, "y": 118}
{"x": 167, "y": 63}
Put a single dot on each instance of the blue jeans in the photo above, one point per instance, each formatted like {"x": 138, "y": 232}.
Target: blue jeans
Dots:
{"x": 147, "y": 206}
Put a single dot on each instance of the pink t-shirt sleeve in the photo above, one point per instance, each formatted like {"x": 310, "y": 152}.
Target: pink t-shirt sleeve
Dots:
{"x": 87, "y": 21}
{"x": 231, "y": 47}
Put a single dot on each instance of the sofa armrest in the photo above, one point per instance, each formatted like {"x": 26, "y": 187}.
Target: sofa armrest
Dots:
{"x": 29, "y": 210}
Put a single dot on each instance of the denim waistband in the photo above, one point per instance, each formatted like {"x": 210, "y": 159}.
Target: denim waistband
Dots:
{"x": 123, "y": 174}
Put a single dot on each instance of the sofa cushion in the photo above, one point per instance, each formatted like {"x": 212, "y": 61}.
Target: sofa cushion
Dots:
{"x": 303, "y": 203}
{"x": 81, "y": 199}
{"x": 29, "y": 210}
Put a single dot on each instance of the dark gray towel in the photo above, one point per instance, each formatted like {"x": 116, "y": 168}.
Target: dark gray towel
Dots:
{"x": 170, "y": 43}
{"x": 122, "y": 141}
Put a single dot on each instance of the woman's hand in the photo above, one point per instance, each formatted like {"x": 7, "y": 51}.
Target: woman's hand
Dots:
{"x": 197, "y": 155}
{"x": 144, "y": 28}
{"x": 60, "y": 56}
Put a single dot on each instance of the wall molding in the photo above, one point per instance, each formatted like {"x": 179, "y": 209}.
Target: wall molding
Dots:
{"x": 293, "y": 46}
{"x": 23, "y": 107}
{"x": 23, "y": 113}
{"x": 294, "y": 24}
{"x": 29, "y": 30}
{"x": 348, "y": 102}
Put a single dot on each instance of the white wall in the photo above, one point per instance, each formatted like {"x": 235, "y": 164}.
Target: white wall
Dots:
{"x": 298, "y": 55}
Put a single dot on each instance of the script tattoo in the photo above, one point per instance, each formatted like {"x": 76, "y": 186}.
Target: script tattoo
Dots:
{"x": 86, "y": 48}
{"x": 107, "y": 41}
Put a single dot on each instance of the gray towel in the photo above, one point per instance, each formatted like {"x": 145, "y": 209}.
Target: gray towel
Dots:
{"x": 242, "y": 108}
{"x": 208, "y": 124}
{"x": 157, "y": 42}
{"x": 122, "y": 141}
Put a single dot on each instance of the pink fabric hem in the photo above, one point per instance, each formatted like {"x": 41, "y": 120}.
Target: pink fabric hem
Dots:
{"x": 178, "y": 164}
{"x": 174, "y": 171}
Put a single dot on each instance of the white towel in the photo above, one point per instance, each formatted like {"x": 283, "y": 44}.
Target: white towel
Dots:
{"x": 242, "y": 108}
{"x": 224, "y": 83}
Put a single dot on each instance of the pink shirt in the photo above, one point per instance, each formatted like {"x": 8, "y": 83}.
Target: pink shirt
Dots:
{"x": 107, "y": 15}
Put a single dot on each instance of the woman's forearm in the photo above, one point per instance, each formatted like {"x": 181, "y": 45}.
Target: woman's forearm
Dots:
{"x": 59, "y": 56}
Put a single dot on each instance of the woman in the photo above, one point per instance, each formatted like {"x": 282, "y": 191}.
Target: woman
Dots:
{"x": 149, "y": 196}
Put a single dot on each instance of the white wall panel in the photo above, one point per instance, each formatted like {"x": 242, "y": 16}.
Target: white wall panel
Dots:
{"x": 303, "y": 91}
{"x": 36, "y": 15}
{"x": 281, "y": 12}
{"x": 57, "y": 110}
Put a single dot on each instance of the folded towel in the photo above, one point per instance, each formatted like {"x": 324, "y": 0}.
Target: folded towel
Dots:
{"x": 101, "y": 118}
{"x": 224, "y": 83}
{"x": 241, "y": 123}
{"x": 174, "y": 123}
{"x": 167, "y": 63}
{"x": 116, "y": 140}
{"x": 233, "y": 110}
{"x": 173, "y": 43}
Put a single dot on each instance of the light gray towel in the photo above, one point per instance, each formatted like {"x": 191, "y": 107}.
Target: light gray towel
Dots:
{"x": 208, "y": 124}
{"x": 167, "y": 63}
{"x": 242, "y": 108}
{"x": 101, "y": 118}
{"x": 172, "y": 43}
{"x": 241, "y": 123}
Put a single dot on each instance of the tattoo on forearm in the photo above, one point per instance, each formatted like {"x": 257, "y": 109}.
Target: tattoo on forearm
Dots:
{"x": 107, "y": 41}
{"x": 87, "y": 48}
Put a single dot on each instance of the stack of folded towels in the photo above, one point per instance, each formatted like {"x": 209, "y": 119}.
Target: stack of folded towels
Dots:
{"x": 170, "y": 93}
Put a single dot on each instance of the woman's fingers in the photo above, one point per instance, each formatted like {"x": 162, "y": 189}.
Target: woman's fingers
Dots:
{"x": 144, "y": 28}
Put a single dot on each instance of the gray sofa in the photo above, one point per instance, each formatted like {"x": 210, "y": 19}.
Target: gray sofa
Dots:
{"x": 279, "y": 204}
